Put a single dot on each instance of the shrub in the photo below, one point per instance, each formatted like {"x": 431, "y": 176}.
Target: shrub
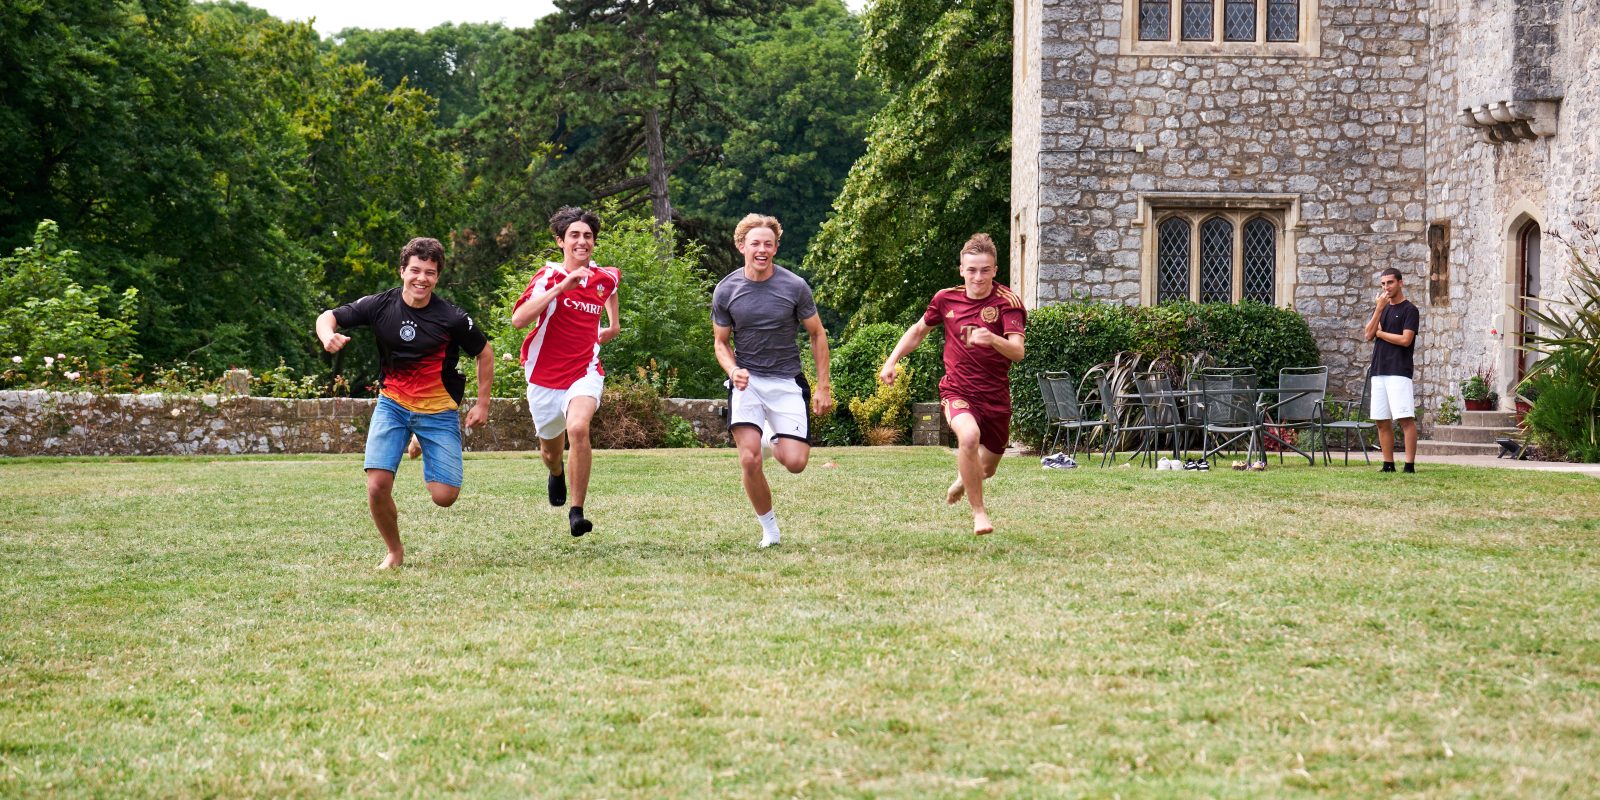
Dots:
{"x": 1565, "y": 385}
{"x": 1075, "y": 336}
{"x": 631, "y": 416}
{"x": 885, "y": 416}
{"x": 854, "y": 370}
{"x": 48, "y": 321}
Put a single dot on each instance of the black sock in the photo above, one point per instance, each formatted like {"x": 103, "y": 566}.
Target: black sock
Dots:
{"x": 557, "y": 488}
{"x": 575, "y": 520}
{"x": 1388, "y": 466}
{"x": 1410, "y": 467}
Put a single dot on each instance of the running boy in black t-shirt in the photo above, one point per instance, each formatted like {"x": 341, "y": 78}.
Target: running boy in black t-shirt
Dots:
{"x": 420, "y": 336}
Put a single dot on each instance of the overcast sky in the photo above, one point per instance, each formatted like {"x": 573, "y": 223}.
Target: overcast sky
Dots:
{"x": 333, "y": 16}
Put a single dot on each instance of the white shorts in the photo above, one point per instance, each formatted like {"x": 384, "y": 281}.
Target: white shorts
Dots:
{"x": 775, "y": 405}
{"x": 1393, "y": 397}
{"x": 548, "y": 407}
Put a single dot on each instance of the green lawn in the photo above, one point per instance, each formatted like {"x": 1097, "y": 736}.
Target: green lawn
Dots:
{"x": 201, "y": 627}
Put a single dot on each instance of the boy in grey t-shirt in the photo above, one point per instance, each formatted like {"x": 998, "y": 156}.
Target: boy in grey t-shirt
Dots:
{"x": 756, "y": 312}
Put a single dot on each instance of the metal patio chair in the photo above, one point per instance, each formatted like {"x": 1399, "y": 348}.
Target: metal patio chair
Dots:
{"x": 1350, "y": 416}
{"x": 1301, "y": 412}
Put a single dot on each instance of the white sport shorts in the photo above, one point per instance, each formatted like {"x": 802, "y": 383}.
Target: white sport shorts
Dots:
{"x": 548, "y": 407}
{"x": 1393, "y": 397}
{"x": 775, "y": 405}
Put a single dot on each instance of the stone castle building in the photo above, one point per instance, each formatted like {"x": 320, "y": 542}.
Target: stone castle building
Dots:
{"x": 1289, "y": 150}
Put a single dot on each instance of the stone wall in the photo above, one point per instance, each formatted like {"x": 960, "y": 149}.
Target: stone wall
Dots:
{"x": 1342, "y": 132}
{"x": 1491, "y": 51}
{"x": 1365, "y": 130}
{"x": 53, "y": 423}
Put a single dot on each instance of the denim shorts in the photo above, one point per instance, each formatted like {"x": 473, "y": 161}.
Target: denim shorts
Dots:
{"x": 440, "y": 434}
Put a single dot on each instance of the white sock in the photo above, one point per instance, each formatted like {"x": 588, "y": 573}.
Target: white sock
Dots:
{"x": 769, "y": 525}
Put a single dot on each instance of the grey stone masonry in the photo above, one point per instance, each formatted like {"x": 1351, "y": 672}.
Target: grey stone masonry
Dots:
{"x": 1342, "y": 133}
{"x": 39, "y": 423}
{"x": 1480, "y": 118}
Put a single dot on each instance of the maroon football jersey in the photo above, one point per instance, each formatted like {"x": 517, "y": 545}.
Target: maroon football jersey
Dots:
{"x": 978, "y": 374}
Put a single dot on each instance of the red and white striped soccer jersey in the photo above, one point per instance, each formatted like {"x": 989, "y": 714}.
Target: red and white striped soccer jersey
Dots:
{"x": 564, "y": 342}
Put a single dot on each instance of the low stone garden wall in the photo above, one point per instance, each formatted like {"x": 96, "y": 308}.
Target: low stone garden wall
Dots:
{"x": 34, "y": 423}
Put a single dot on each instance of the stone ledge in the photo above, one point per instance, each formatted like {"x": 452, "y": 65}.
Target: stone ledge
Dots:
{"x": 37, "y": 422}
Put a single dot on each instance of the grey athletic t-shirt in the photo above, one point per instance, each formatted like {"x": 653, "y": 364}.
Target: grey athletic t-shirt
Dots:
{"x": 765, "y": 317}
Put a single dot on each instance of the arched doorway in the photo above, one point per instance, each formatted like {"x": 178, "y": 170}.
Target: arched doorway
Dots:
{"x": 1528, "y": 285}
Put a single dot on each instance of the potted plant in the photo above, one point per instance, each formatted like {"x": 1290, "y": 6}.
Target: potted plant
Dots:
{"x": 1477, "y": 395}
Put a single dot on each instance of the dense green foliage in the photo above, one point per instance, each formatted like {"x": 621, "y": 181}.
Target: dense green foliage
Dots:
{"x": 1073, "y": 337}
{"x": 241, "y": 175}
{"x": 795, "y": 122}
{"x": 211, "y": 158}
{"x": 938, "y": 163}
{"x": 46, "y": 318}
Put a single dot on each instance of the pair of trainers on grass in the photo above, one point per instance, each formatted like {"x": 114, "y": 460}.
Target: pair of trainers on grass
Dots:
{"x": 1058, "y": 461}
{"x": 1188, "y": 466}
{"x": 1250, "y": 466}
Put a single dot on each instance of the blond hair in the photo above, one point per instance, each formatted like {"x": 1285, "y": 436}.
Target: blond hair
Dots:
{"x": 981, "y": 245}
{"x": 753, "y": 221}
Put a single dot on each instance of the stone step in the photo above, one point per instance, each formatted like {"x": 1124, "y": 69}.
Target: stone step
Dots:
{"x": 1469, "y": 434}
{"x": 1436, "y": 448}
{"x": 1488, "y": 419}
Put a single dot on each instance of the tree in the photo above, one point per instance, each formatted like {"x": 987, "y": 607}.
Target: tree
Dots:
{"x": 938, "y": 161}
{"x": 797, "y": 120}
{"x": 450, "y": 62}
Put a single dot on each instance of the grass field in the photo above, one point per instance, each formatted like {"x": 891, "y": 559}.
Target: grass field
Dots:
{"x": 199, "y": 627}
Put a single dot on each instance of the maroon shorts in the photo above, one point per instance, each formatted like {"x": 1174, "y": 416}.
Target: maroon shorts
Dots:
{"x": 994, "y": 422}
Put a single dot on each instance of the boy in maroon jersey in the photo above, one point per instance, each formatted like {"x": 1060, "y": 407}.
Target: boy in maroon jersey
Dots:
{"x": 561, "y": 354}
{"x": 419, "y": 338}
{"x": 983, "y": 328}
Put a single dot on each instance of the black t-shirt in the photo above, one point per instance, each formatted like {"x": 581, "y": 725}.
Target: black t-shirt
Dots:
{"x": 417, "y": 347}
{"x": 1392, "y": 359}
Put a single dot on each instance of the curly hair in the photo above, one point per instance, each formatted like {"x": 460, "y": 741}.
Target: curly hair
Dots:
{"x": 424, "y": 248}
{"x": 562, "y": 219}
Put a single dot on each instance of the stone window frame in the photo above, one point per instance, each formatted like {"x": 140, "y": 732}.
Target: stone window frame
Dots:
{"x": 1282, "y": 210}
{"x": 1308, "y": 46}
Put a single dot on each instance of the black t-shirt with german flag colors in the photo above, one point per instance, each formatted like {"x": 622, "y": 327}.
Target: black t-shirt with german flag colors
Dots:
{"x": 417, "y": 347}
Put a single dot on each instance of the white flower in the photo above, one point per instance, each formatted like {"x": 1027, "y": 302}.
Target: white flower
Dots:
{"x": 506, "y": 356}
{"x": 72, "y": 376}
{"x": 16, "y": 359}
{"x": 62, "y": 356}
{"x": 48, "y": 361}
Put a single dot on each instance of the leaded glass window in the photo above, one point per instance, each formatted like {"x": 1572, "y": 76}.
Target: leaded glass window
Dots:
{"x": 1216, "y": 261}
{"x": 1155, "y": 20}
{"x": 1259, "y": 243}
{"x": 1197, "y": 20}
{"x": 1172, "y": 260}
{"x": 1239, "y": 21}
{"x": 1283, "y": 20}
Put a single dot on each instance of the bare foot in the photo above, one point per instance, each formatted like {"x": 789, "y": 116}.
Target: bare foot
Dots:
{"x": 392, "y": 561}
{"x": 414, "y": 449}
{"x": 955, "y": 493}
{"x": 981, "y": 524}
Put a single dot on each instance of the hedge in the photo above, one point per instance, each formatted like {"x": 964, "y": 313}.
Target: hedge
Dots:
{"x": 1075, "y": 336}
